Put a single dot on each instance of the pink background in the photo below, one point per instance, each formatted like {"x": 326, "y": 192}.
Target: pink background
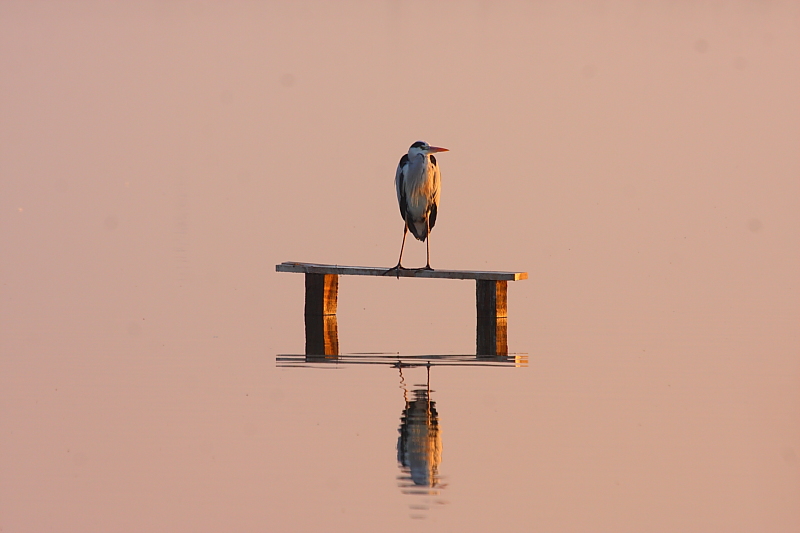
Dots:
{"x": 639, "y": 160}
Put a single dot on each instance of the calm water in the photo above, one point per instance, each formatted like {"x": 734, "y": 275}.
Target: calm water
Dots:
{"x": 639, "y": 162}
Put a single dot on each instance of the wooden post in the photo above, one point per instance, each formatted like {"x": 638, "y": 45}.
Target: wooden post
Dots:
{"x": 322, "y": 291}
{"x": 492, "y": 338}
{"x": 322, "y": 335}
{"x": 491, "y": 299}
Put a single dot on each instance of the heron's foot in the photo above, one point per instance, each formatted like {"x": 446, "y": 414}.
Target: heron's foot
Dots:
{"x": 396, "y": 269}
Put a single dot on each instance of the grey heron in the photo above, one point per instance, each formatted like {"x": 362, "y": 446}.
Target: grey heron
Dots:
{"x": 418, "y": 185}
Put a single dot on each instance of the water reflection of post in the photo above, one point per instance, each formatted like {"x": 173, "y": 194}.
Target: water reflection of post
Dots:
{"x": 419, "y": 446}
{"x": 492, "y": 303}
{"x": 322, "y": 335}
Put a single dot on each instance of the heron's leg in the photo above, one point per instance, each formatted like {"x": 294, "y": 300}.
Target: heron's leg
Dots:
{"x": 399, "y": 267}
{"x": 402, "y": 245}
{"x": 428, "y": 245}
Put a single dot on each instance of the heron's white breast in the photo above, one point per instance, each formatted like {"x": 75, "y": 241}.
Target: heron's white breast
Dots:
{"x": 419, "y": 186}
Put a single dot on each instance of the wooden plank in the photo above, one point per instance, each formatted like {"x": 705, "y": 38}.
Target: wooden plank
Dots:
{"x": 314, "y": 268}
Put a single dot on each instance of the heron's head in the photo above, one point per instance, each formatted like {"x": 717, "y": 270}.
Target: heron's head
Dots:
{"x": 421, "y": 147}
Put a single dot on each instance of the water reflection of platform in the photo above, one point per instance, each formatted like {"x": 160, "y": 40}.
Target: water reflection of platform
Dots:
{"x": 402, "y": 361}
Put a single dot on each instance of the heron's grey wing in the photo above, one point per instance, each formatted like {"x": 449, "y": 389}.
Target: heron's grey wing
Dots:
{"x": 432, "y": 216}
{"x": 399, "y": 185}
{"x": 437, "y": 188}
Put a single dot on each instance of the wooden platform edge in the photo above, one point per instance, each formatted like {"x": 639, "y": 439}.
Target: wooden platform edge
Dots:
{"x": 316, "y": 268}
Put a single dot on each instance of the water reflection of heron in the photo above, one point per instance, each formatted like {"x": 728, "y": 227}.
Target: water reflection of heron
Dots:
{"x": 419, "y": 446}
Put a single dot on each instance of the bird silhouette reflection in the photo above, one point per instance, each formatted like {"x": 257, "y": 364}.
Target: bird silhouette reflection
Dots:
{"x": 419, "y": 442}
{"x": 419, "y": 445}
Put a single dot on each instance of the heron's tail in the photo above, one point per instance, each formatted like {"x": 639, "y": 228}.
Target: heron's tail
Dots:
{"x": 419, "y": 229}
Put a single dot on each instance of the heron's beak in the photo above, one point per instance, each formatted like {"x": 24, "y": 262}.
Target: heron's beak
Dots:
{"x": 435, "y": 149}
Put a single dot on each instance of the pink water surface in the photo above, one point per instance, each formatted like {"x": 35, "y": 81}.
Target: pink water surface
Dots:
{"x": 638, "y": 160}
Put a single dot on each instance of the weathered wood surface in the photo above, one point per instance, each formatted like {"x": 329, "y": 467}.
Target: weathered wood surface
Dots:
{"x": 322, "y": 335}
{"x": 491, "y": 336}
{"x": 313, "y": 268}
{"x": 491, "y": 298}
{"x": 322, "y": 293}
{"x": 491, "y": 301}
